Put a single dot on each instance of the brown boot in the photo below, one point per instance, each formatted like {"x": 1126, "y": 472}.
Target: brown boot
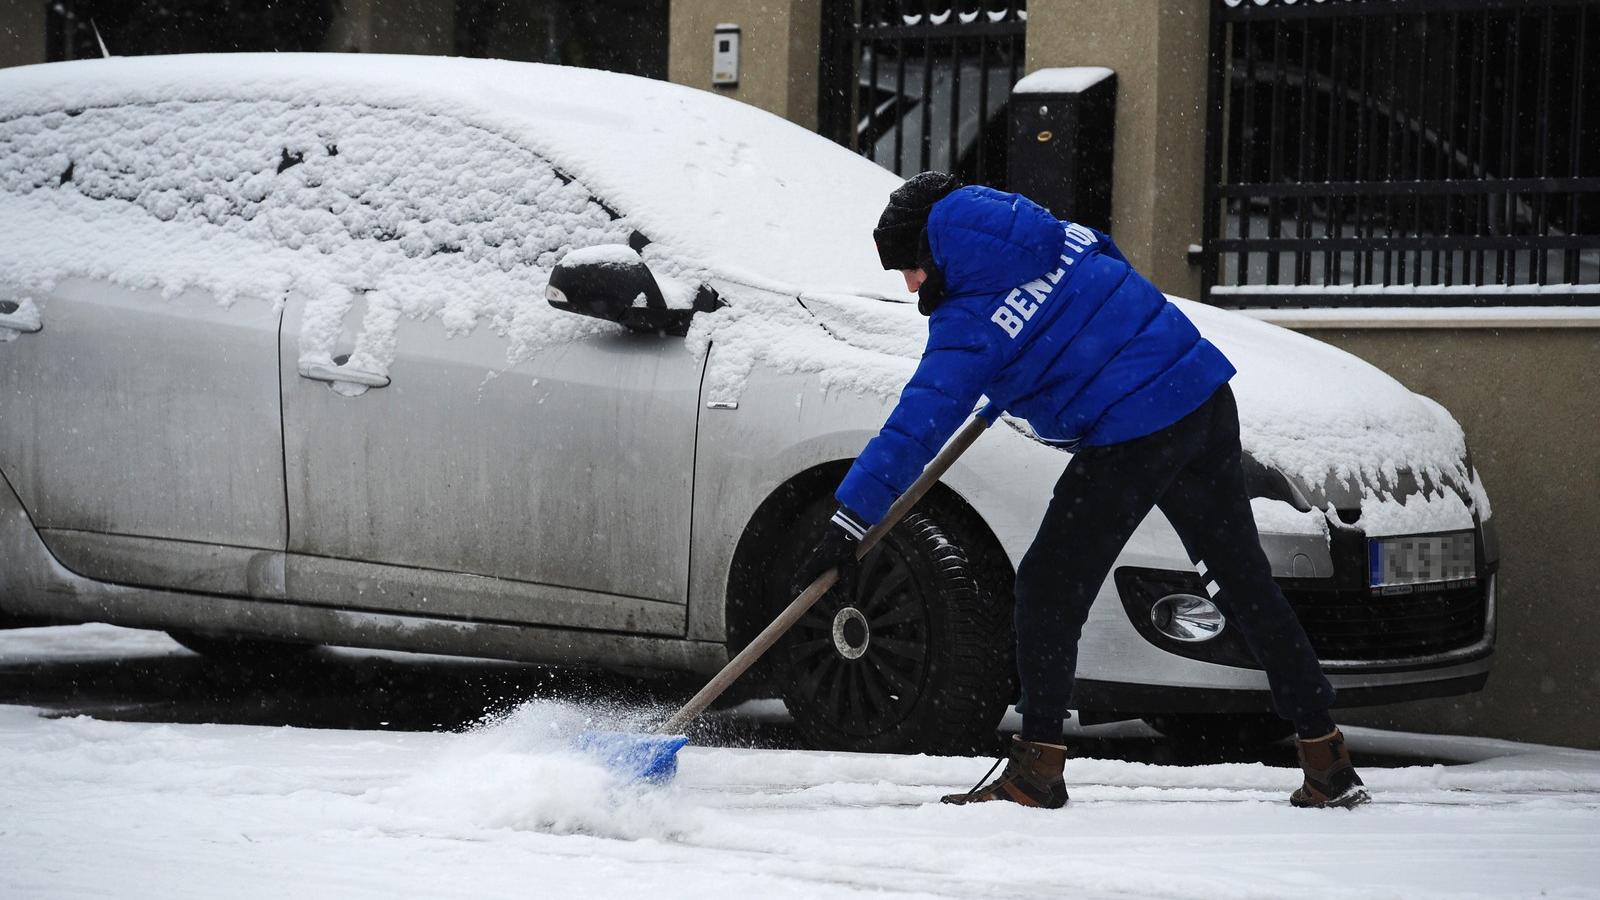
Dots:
{"x": 1032, "y": 778}
{"x": 1331, "y": 779}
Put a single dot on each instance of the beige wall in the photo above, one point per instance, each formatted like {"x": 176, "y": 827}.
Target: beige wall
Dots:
{"x": 1158, "y": 50}
{"x": 779, "y": 49}
{"x": 1529, "y": 400}
{"x": 22, "y": 34}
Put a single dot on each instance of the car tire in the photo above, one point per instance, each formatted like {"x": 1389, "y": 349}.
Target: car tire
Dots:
{"x": 234, "y": 648}
{"x": 1222, "y": 731}
{"x": 935, "y": 669}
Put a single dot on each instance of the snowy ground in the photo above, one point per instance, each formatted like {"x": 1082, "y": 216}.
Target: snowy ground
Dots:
{"x": 140, "y": 809}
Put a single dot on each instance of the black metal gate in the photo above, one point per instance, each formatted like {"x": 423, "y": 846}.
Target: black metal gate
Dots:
{"x": 1403, "y": 152}
{"x": 922, "y": 84}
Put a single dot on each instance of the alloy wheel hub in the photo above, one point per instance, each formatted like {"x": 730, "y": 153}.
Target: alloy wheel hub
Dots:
{"x": 851, "y": 633}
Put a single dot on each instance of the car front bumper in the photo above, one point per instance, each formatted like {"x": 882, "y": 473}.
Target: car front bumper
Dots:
{"x": 1008, "y": 479}
{"x": 1374, "y": 649}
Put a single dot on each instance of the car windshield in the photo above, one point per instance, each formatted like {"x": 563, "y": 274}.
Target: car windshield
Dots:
{"x": 751, "y": 195}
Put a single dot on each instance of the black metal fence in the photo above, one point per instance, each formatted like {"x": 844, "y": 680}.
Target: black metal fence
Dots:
{"x": 922, "y": 84}
{"x": 1398, "y": 152}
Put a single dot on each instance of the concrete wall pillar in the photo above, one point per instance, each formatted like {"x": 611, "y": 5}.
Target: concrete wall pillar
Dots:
{"x": 22, "y": 35}
{"x": 778, "y": 58}
{"x": 1158, "y": 50}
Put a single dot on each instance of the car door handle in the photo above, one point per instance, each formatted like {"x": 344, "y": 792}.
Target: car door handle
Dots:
{"x": 23, "y": 317}
{"x": 334, "y": 374}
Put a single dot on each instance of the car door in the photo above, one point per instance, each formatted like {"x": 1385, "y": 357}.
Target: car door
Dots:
{"x": 482, "y": 455}
{"x": 139, "y": 426}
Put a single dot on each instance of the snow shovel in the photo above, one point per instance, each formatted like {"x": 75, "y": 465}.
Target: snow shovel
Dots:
{"x": 654, "y": 757}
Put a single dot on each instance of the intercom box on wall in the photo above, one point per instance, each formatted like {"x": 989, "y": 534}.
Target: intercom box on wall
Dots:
{"x": 725, "y": 56}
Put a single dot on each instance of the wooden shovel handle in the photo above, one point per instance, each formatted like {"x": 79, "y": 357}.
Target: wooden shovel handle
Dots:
{"x": 808, "y": 598}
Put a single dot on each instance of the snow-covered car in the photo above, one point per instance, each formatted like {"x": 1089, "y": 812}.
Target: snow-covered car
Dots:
{"x": 283, "y": 365}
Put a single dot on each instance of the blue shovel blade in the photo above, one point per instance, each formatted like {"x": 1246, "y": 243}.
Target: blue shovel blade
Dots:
{"x": 637, "y": 757}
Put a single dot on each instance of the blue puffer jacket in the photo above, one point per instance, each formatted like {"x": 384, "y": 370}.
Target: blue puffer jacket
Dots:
{"x": 1049, "y": 321}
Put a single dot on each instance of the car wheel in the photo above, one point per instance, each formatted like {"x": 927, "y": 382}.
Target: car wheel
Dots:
{"x": 234, "y": 648}
{"x": 1222, "y": 730}
{"x": 915, "y": 659}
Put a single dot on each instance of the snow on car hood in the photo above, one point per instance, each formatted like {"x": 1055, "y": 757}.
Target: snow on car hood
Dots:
{"x": 740, "y": 190}
{"x": 1310, "y": 410}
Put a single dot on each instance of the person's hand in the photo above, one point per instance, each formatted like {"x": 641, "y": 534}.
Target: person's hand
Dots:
{"x": 836, "y": 550}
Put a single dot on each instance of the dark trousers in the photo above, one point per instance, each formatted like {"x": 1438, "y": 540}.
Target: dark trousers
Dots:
{"x": 1191, "y": 471}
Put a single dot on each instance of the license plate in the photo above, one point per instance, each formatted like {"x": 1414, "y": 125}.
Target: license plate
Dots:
{"x": 1421, "y": 559}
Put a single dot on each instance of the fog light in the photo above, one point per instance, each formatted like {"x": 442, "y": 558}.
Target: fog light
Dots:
{"x": 1187, "y": 618}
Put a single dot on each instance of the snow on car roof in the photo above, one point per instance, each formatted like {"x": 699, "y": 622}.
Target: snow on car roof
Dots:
{"x": 742, "y": 191}
{"x": 403, "y": 178}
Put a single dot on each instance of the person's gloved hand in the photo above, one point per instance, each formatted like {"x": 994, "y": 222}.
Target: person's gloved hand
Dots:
{"x": 837, "y": 549}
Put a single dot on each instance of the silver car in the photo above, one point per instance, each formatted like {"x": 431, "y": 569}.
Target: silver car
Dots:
{"x": 546, "y": 364}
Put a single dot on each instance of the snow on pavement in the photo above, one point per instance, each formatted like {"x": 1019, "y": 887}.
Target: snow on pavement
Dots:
{"x": 95, "y": 808}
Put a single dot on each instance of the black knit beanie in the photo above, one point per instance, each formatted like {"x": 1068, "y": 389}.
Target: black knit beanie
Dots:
{"x": 900, "y": 227}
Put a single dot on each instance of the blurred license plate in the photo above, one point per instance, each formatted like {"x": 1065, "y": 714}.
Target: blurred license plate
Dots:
{"x": 1421, "y": 559}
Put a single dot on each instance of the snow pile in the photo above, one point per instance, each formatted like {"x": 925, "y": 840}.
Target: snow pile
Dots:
{"x": 520, "y": 772}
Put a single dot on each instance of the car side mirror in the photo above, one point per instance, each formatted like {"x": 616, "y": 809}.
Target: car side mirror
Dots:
{"x": 612, "y": 282}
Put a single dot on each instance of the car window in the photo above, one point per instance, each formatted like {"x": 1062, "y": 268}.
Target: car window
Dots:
{"x": 321, "y": 177}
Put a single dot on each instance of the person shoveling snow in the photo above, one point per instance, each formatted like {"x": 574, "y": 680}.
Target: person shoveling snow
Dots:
{"x": 1048, "y": 320}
